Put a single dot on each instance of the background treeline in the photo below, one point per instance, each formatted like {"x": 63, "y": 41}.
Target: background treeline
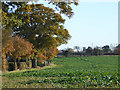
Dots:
{"x": 31, "y": 33}
{"x": 105, "y": 50}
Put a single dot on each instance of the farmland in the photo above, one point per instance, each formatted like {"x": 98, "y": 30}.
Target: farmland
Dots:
{"x": 68, "y": 72}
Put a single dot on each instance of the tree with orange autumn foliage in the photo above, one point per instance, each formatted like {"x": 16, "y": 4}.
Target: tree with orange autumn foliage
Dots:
{"x": 41, "y": 57}
{"x": 51, "y": 52}
{"x": 15, "y": 48}
{"x": 7, "y": 47}
{"x": 47, "y": 54}
{"x": 22, "y": 48}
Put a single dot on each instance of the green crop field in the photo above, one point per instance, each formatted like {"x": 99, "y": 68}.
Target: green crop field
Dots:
{"x": 68, "y": 72}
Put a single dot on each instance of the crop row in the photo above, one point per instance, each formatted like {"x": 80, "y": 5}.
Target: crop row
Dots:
{"x": 38, "y": 73}
{"x": 85, "y": 81}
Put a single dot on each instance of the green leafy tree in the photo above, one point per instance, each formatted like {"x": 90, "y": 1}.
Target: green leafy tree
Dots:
{"x": 44, "y": 28}
{"x": 97, "y": 51}
{"x": 36, "y": 18}
{"x": 67, "y": 52}
{"x": 10, "y": 18}
{"x": 106, "y": 49}
{"x": 13, "y": 19}
{"x": 89, "y": 51}
{"x": 117, "y": 50}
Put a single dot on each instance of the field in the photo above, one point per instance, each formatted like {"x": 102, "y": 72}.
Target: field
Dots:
{"x": 68, "y": 72}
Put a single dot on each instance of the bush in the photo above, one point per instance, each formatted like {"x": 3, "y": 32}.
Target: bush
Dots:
{"x": 67, "y": 52}
{"x": 41, "y": 64}
{"x": 22, "y": 65}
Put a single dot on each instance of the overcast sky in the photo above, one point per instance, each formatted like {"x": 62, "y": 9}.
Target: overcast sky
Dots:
{"x": 93, "y": 24}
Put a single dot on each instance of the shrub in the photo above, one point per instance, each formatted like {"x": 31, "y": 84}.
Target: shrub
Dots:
{"x": 22, "y": 65}
{"x": 67, "y": 52}
{"x": 41, "y": 64}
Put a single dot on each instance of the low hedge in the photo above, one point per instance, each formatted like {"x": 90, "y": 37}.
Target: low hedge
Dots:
{"x": 19, "y": 65}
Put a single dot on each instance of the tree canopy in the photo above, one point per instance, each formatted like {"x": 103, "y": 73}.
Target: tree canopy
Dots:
{"x": 33, "y": 25}
{"x": 14, "y": 47}
{"x": 37, "y": 23}
{"x": 43, "y": 27}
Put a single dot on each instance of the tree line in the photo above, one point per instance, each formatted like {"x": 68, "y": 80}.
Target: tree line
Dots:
{"x": 105, "y": 50}
{"x": 32, "y": 32}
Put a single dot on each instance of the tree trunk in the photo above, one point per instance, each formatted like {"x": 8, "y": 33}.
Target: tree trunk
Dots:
{"x": 15, "y": 65}
{"x": 34, "y": 63}
{"x": 5, "y": 62}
